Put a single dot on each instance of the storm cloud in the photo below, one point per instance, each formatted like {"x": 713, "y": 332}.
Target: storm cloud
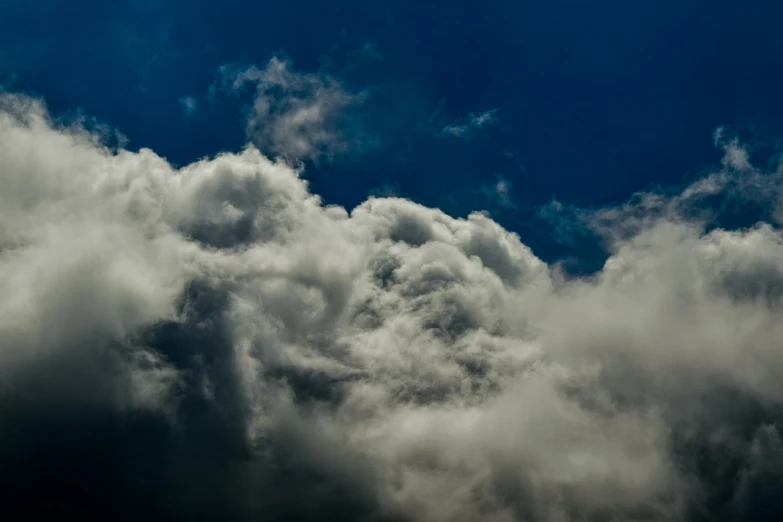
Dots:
{"x": 213, "y": 342}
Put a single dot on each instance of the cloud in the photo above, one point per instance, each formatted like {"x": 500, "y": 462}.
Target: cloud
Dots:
{"x": 214, "y": 342}
{"x": 737, "y": 188}
{"x": 468, "y": 127}
{"x": 189, "y": 105}
{"x": 499, "y": 193}
{"x": 295, "y": 115}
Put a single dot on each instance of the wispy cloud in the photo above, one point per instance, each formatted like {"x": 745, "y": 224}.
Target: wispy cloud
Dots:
{"x": 501, "y": 192}
{"x": 189, "y": 105}
{"x": 468, "y": 127}
{"x": 737, "y": 183}
{"x": 297, "y": 115}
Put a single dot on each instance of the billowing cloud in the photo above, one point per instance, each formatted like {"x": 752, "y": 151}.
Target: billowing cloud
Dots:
{"x": 214, "y": 342}
{"x": 297, "y": 115}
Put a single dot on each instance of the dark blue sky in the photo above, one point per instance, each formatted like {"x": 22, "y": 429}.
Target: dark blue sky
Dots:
{"x": 594, "y": 99}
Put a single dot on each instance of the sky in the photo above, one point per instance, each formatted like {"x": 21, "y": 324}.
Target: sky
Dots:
{"x": 392, "y": 261}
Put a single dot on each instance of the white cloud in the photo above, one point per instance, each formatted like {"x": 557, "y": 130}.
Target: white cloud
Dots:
{"x": 216, "y": 341}
{"x": 295, "y": 115}
{"x": 468, "y": 127}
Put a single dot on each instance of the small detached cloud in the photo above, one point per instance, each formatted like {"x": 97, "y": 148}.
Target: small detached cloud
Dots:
{"x": 468, "y": 127}
{"x": 189, "y": 105}
{"x": 295, "y": 115}
{"x": 500, "y": 193}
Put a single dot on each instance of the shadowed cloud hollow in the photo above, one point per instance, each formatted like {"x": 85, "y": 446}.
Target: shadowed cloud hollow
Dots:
{"x": 212, "y": 342}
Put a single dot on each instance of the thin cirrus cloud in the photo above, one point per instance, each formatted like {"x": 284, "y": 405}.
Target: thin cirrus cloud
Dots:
{"x": 212, "y": 341}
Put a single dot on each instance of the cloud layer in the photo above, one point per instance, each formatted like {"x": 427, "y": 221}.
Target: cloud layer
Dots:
{"x": 214, "y": 342}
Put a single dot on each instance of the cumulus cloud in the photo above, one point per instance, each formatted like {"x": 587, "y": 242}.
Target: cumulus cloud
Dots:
{"x": 297, "y": 115}
{"x": 468, "y": 127}
{"x": 213, "y": 342}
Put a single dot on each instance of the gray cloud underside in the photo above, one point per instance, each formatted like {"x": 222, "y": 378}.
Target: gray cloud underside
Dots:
{"x": 213, "y": 341}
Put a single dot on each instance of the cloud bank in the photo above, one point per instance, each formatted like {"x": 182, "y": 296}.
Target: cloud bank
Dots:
{"x": 212, "y": 342}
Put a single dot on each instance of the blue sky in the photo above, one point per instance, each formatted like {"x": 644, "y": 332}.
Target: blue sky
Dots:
{"x": 589, "y": 101}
